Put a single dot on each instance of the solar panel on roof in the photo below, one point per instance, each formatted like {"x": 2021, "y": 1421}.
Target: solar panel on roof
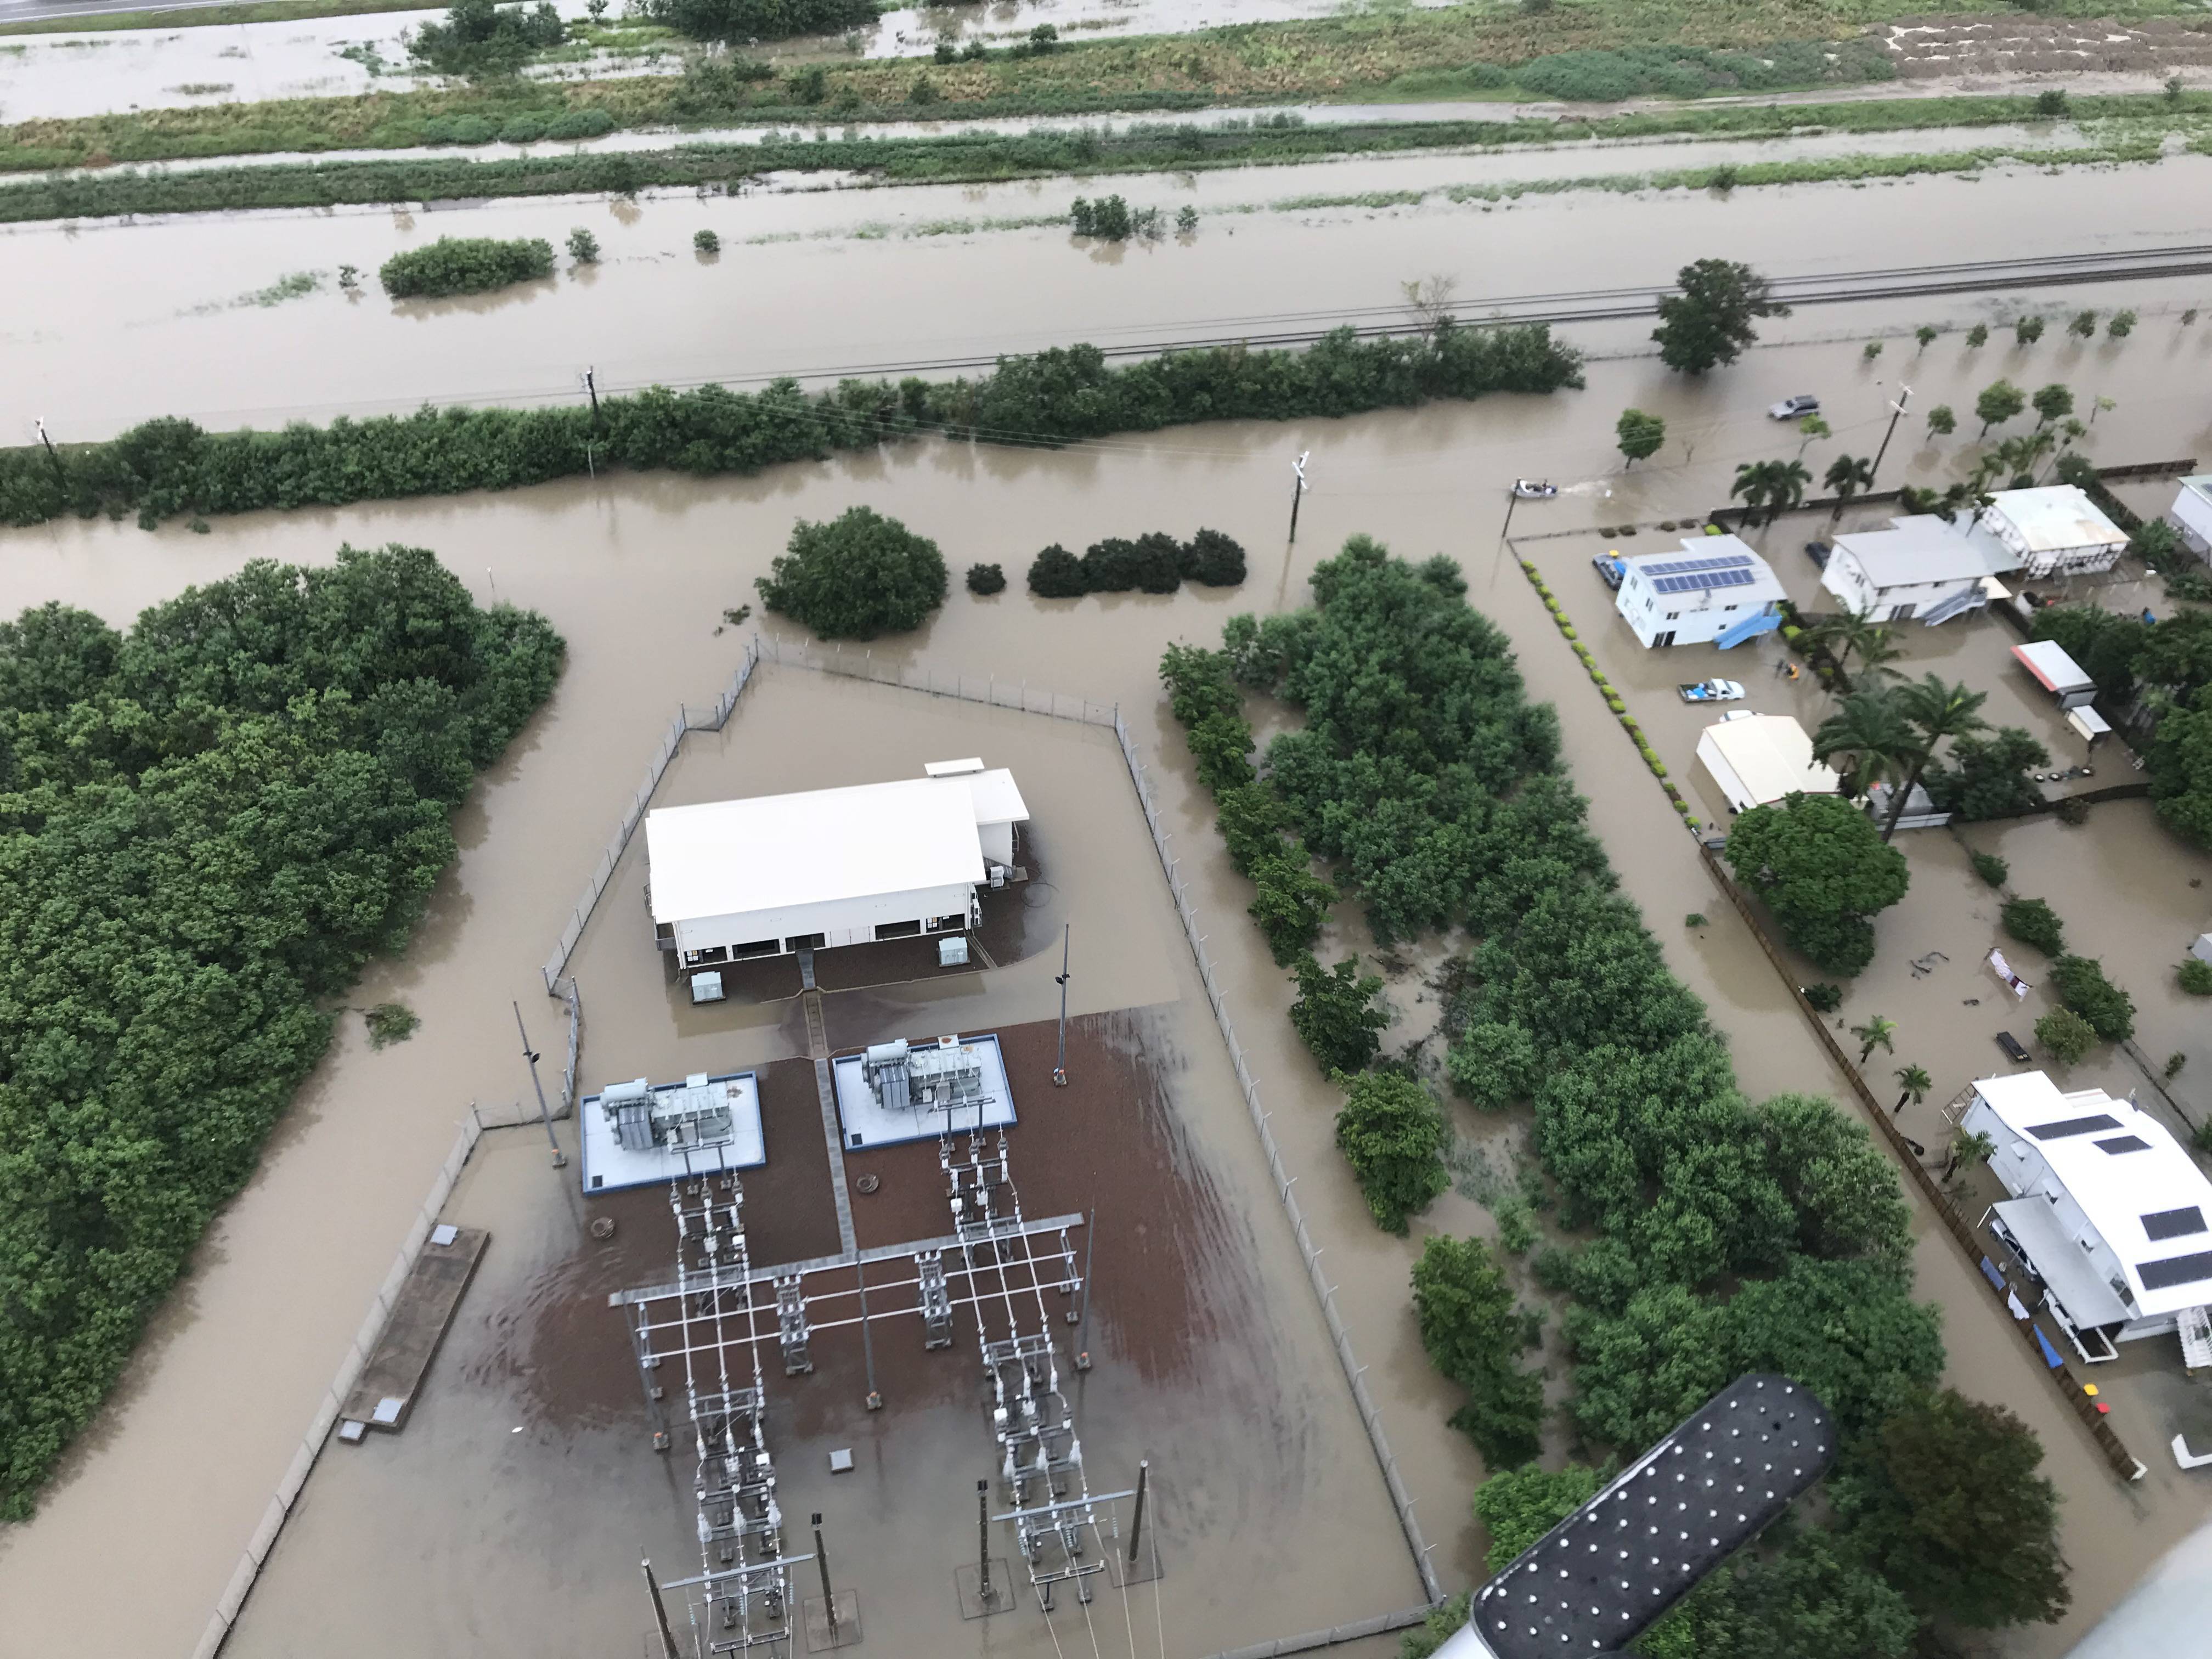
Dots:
{"x": 1684, "y": 567}
{"x": 1712, "y": 578}
{"x": 2073, "y": 1126}
{"x": 2174, "y": 1223}
{"x": 2119, "y": 1144}
{"x": 2164, "y": 1275}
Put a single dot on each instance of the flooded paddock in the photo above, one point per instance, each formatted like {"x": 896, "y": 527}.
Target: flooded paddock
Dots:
{"x": 168, "y": 318}
{"x": 636, "y": 572}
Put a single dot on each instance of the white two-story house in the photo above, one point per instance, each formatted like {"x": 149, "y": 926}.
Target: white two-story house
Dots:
{"x": 1716, "y": 591}
{"x": 1924, "y": 569}
{"x": 2109, "y": 1215}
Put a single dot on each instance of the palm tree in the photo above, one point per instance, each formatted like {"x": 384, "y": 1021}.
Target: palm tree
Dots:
{"x": 1847, "y": 475}
{"x": 1967, "y": 1151}
{"x": 1770, "y": 488}
{"x": 1938, "y": 712}
{"x": 1868, "y": 728}
{"x": 1850, "y": 631}
{"x": 1879, "y": 1032}
{"x": 1916, "y": 1082}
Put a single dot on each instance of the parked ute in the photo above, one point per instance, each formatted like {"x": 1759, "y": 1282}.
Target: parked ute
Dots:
{"x": 1791, "y": 408}
{"x": 1712, "y": 692}
{"x": 1609, "y": 568}
{"x": 1818, "y": 553}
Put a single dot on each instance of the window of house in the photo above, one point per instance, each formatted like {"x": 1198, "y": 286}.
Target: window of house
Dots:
{"x": 1673, "y": 616}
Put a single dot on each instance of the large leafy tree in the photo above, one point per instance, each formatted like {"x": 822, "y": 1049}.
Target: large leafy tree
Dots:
{"x": 856, "y": 576}
{"x": 1988, "y": 777}
{"x": 1338, "y": 1015}
{"x": 1518, "y": 1506}
{"x": 1948, "y": 1502}
{"x": 1842, "y": 1186}
{"x": 1469, "y": 1326}
{"x": 2181, "y": 769}
{"x": 1824, "y": 870}
{"x": 210, "y": 825}
{"x": 1393, "y": 1134}
{"x": 1708, "y": 320}
{"x": 1640, "y": 435}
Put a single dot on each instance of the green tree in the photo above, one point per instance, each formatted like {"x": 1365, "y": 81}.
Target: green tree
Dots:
{"x": 1846, "y": 633}
{"x": 463, "y": 265}
{"x": 1948, "y": 1506}
{"x": 1707, "y": 322}
{"x": 1937, "y": 712}
{"x": 1292, "y": 904}
{"x": 1878, "y": 1032}
{"x": 1869, "y": 734}
{"x": 1941, "y": 422}
{"x": 1978, "y": 336}
{"x": 1915, "y": 1083}
{"x": 1988, "y": 777}
{"x": 1251, "y": 819}
{"x": 583, "y": 246}
{"x": 2066, "y": 1035}
{"x": 1925, "y": 334}
{"x": 2121, "y": 325}
{"x": 1770, "y": 488}
{"x": 2032, "y": 921}
{"x": 2082, "y": 987}
{"x": 2025, "y": 331}
{"x": 1439, "y": 1627}
{"x": 2000, "y": 401}
{"x": 739, "y": 21}
{"x": 2084, "y": 326}
{"x": 1516, "y": 1507}
{"x": 1469, "y": 1323}
{"x": 1824, "y": 871}
{"x": 856, "y": 576}
{"x": 2051, "y": 402}
{"x": 2180, "y": 765}
{"x": 1056, "y": 573}
{"x": 1967, "y": 1151}
{"x": 1842, "y": 1186}
{"x": 1337, "y": 1015}
{"x": 1640, "y": 435}
{"x": 1847, "y": 475}
{"x": 1394, "y": 1136}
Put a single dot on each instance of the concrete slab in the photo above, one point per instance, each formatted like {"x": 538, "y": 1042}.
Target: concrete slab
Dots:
{"x": 429, "y": 1296}
{"x": 868, "y": 1125}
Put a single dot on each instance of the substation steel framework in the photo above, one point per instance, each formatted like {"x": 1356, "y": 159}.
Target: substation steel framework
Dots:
{"x": 714, "y": 1317}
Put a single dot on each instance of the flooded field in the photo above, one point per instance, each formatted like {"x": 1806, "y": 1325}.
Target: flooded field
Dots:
{"x": 1212, "y": 1361}
{"x": 636, "y": 572}
{"x": 198, "y": 342}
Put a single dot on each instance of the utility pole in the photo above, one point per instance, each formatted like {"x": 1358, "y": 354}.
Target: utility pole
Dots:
{"x": 983, "y": 1542}
{"x": 1059, "y": 1070}
{"x": 544, "y": 1113}
{"x": 1512, "y": 500}
{"x": 1896, "y": 414}
{"x": 1297, "y": 491}
{"x": 1137, "y": 1520}
{"x": 659, "y": 1611}
{"x": 59, "y": 475}
{"x": 829, "y": 1595}
{"x": 592, "y": 385}
{"x": 1082, "y": 1321}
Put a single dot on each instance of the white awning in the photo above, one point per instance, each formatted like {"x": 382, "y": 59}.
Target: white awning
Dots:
{"x": 2062, "y": 1264}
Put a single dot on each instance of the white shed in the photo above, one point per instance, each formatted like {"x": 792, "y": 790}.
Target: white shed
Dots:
{"x": 765, "y": 876}
{"x": 1759, "y": 760}
{"x": 1925, "y": 568}
{"x": 2192, "y": 513}
{"x": 2057, "y": 672}
{"x": 1716, "y": 591}
{"x": 2055, "y": 531}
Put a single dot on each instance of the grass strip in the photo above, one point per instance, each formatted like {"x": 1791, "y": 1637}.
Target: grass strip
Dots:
{"x": 984, "y": 158}
{"x": 262, "y": 11}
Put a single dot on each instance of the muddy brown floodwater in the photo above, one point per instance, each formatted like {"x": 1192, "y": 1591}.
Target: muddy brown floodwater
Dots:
{"x": 636, "y": 572}
{"x": 110, "y": 342}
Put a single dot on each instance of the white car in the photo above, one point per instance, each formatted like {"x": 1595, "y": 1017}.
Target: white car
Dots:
{"x": 1792, "y": 409}
{"x": 1712, "y": 692}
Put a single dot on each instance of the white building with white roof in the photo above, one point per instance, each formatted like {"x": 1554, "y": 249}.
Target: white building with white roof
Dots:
{"x": 1759, "y": 760}
{"x": 1924, "y": 569}
{"x": 2192, "y": 513}
{"x": 2108, "y": 1213}
{"x": 1716, "y": 591}
{"x": 2055, "y": 531}
{"x": 771, "y": 874}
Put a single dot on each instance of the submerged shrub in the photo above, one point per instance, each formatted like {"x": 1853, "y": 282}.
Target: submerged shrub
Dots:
{"x": 464, "y": 264}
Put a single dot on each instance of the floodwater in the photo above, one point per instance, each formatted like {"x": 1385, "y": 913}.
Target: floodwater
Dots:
{"x": 197, "y": 344}
{"x": 59, "y": 75}
{"x": 636, "y": 572}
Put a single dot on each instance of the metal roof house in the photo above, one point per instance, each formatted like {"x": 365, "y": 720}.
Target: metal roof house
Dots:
{"x": 2192, "y": 513}
{"x": 2055, "y": 531}
{"x": 1715, "y": 591}
{"x": 1924, "y": 569}
{"x": 771, "y": 874}
{"x": 1758, "y": 760}
{"x": 2108, "y": 1213}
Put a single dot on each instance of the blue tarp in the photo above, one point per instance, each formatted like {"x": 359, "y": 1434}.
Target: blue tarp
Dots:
{"x": 2050, "y": 1354}
{"x": 1989, "y": 1272}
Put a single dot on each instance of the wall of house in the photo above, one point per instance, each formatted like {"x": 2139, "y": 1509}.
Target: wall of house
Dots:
{"x": 1692, "y": 618}
{"x": 2192, "y": 517}
{"x": 2022, "y": 1169}
{"x": 846, "y": 921}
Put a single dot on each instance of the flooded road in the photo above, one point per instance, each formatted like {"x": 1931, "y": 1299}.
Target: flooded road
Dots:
{"x": 198, "y": 343}
{"x": 636, "y": 572}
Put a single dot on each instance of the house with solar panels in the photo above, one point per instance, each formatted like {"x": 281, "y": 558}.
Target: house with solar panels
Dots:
{"x": 1715, "y": 591}
{"x": 2110, "y": 1218}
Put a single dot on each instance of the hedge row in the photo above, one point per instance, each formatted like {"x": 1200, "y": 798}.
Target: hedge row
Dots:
{"x": 170, "y": 466}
